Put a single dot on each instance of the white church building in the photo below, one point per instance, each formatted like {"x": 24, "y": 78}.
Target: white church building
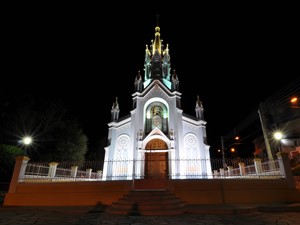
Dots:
{"x": 157, "y": 140}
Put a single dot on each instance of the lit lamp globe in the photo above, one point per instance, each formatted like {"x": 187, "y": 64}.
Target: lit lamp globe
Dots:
{"x": 278, "y": 137}
{"x": 26, "y": 141}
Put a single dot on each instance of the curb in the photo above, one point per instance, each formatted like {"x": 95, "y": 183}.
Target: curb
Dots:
{"x": 189, "y": 209}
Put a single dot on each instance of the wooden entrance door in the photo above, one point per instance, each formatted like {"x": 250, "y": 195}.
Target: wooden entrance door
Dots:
{"x": 156, "y": 166}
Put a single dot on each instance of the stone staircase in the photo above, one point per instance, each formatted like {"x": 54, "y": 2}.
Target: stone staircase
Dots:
{"x": 147, "y": 202}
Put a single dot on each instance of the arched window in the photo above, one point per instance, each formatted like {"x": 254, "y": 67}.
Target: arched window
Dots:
{"x": 156, "y": 116}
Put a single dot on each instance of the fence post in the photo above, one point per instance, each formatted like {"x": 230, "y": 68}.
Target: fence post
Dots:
{"x": 285, "y": 168}
{"x": 222, "y": 172}
{"x": 19, "y": 172}
{"x": 99, "y": 174}
{"x": 216, "y": 173}
{"x": 74, "y": 171}
{"x": 23, "y": 168}
{"x": 89, "y": 173}
{"x": 242, "y": 168}
{"x": 230, "y": 170}
{"x": 258, "y": 166}
{"x": 52, "y": 169}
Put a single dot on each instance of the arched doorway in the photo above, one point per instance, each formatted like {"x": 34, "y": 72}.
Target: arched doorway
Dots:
{"x": 156, "y": 160}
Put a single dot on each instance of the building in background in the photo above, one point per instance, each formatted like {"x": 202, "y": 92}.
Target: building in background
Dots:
{"x": 281, "y": 113}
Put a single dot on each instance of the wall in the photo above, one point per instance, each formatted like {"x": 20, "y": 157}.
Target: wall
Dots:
{"x": 201, "y": 191}
{"x": 67, "y": 193}
{"x": 234, "y": 191}
{"x": 210, "y": 191}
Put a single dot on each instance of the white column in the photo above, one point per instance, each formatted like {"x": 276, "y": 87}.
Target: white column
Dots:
{"x": 222, "y": 172}
{"x": 230, "y": 170}
{"x": 99, "y": 174}
{"x": 258, "y": 166}
{"x": 52, "y": 169}
{"x": 23, "y": 168}
{"x": 281, "y": 165}
{"x": 89, "y": 173}
{"x": 74, "y": 171}
{"x": 216, "y": 173}
{"x": 242, "y": 169}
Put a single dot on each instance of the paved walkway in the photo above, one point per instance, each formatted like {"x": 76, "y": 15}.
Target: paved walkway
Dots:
{"x": 279, "y": 214}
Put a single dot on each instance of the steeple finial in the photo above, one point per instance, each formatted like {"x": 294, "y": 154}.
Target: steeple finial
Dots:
{"x": 157, "y": 19}
{"x": 157, "y": 42}
{"x": 199, "y": 102}
{"x": 138, "y": 83}
{"x": 199, "y": 109}
{"x": 115, "y": 110}
{"x": 115, "y": 104}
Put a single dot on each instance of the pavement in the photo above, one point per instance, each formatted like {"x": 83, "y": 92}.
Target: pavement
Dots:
{"x": 264, "y": 214}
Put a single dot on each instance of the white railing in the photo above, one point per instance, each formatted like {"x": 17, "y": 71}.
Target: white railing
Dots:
{"x": 38, "y": 172}
{"x": 57, "y": 172}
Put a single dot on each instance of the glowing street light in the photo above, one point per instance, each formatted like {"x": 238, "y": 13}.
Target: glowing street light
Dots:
{"x": 278, "y": 137}
{"x": 27, "y": 140}
{"x": 294, "y": 99}
{"x": 295, "y": 102}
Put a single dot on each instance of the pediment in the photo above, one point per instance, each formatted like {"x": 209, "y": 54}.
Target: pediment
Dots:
{"x": 156, "y": 132}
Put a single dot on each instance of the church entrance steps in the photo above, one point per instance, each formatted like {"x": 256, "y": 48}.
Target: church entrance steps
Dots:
{"x": 148, "y": 202}
{"x": 150, "y": 184}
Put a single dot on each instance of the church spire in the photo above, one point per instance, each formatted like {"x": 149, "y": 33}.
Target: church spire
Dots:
{"x": 138, "y": 83}
{"x": 156, "y": 46}
{"x": 157, "y": 63}
{"x": 199, "y": 109}
{"x": 175, "y": 81}
{"x": 115, "y": 110}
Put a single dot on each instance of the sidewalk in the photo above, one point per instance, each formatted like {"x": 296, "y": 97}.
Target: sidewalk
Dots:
{"x": 200, "y": 214}
{"x": 190, "y": 209}
{"x": 243, "y": 208}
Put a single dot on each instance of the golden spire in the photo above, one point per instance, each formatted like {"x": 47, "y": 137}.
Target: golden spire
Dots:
{"x": 166, "y": 51}
{"x": 147, "y": 50}
{"x": 157, "y": 41}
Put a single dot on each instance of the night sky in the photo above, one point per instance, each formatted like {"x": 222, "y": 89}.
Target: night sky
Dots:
{"x": 86, "y": 55}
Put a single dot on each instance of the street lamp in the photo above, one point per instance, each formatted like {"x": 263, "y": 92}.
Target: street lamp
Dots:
{"x": 278, "y": 137}
{"x": 223, "y": 153}
{"x": 27, "y": 140}
{"x": 265, "y": 133}
{"x": 294, "y": 102}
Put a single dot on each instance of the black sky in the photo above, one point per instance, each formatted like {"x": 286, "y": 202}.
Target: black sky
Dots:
{"x": 233, "y": 57}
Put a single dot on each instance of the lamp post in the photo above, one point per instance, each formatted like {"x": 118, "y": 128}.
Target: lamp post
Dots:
{"x": 223, "y": 152}
{"x": 265, "y": 133}
{"x": 27, "y": 140}
{"x": 278, "y": 137}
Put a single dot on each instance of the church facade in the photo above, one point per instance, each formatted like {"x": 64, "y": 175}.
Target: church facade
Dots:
{"x": 157, "y": 139}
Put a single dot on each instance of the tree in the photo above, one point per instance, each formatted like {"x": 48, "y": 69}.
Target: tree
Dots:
{"x": 57, "y": 135}
{"x": 96, "y": 150}
{"x": 8, "y": 154}
{"x": 69, "y": 143}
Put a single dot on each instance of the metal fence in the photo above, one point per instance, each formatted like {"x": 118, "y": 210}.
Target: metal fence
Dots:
{"x": 93, "y": 170}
